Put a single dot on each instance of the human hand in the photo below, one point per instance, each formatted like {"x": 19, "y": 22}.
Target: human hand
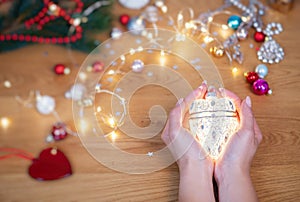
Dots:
{"x": 232, "y": 169}
{"x": 195, "y": 167}
{"x": 183, "y": 145}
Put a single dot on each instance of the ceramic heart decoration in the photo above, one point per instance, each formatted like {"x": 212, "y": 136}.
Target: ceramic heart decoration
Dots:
{"x": 51, "y": 164}
{"x": 213, "y": 120}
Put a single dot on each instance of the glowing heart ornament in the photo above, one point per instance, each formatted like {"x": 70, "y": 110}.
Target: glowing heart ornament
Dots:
{"x": 213, "y": 121}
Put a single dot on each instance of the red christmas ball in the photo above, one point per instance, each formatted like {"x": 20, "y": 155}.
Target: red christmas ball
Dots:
{"x": 59, "y": 69}
{"x": 259, "y": 36}
{"x": 251, "y": 77}
{"x": 124, "y": 19}
{"x": 59, "y": 131}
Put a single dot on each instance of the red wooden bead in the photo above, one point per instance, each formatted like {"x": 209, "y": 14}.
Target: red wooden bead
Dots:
{"x": 259, "y": 36}
{"x": 59, "y": 69}
{"x": 34, "y": 38}
{"x": 124, "y": 19}
{"x": 27, "y": 38}
{"x": 14, "y": 37}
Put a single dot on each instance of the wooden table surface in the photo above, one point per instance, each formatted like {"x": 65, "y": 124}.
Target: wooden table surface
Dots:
{"x": 275, "y": 169}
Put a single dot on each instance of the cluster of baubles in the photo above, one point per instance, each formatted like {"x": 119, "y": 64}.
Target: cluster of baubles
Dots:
{"x": 256, "y": 79}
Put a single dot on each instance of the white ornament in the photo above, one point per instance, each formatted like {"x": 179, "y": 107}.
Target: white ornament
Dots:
{"x": 136, "y": 25}
{"x": 76, "y": 92}
{"x": 134, "y": 4}
{"x": 261, "y": 70}
{"x": 45, "y": 104}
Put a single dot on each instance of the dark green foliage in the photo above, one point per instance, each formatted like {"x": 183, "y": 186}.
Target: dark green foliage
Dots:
{"x": 21, "y": 10}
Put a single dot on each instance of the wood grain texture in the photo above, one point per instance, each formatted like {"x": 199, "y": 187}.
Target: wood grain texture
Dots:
{"x": 275, "y": 169}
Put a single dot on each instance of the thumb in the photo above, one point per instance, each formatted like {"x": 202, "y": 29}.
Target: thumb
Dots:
{"x": 246, "y": 116}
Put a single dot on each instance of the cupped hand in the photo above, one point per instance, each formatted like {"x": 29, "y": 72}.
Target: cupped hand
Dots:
{"x": 242, "y": 146}
{"x": 183, "y": 145}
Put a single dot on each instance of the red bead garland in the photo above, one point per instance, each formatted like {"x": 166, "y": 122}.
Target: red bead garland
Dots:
{"x": 49, "y": 12}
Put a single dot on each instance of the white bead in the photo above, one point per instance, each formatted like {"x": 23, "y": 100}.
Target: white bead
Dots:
{"x": 45, "y": 104}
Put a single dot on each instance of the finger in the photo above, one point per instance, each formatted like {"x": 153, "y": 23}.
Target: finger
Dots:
{"x": 195, "y": 94}
{"x": 246, "y": 116}
{"x": 237, "y": 101}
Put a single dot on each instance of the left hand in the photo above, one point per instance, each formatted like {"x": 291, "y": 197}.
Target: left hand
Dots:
{"x": 187, "y": 150}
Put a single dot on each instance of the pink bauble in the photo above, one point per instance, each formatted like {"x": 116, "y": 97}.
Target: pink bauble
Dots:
{"x": 260, "y": 87}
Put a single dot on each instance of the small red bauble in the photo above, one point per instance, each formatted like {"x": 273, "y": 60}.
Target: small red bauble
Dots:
{"x": 259, "y": 36}
{"x": 124, "y": 19}
{"x": 59, "y": 131}
{"x": 251, "y": 77}
{"x": 98, "y": 66}
{"x": 59, "y": 69}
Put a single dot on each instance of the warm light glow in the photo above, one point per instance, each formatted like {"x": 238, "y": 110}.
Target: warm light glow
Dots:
{"x": 83, "y": 125}
{"x": 162, "y": 57}
{"x": 164, "y": 9}
{"x": 189, "y": 25}
{"x": 99, "y": 109}
{"x": 131, "y": 51}
{"x": 179, "y": 17}
{"x": 111, "y": 72}
{"x": 234, "y": 70}
{"x": 113, "y": 136}
{"x": 7, "y": 84}
{"x": 111, "y": 122}
{"x": 5, "y": 122}
{"x": 208, "y": 39}
{"x": 225, "y": 27}
{"x": 122, "y": 57}
{"x": 210, "y": 19}
{"x": 203, "y": 29}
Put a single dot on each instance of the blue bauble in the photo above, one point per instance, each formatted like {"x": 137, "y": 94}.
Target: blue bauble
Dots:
{"x": 261, "y": 70}
{"x": 136, "y": 25}
{"x": 234, "y": 22}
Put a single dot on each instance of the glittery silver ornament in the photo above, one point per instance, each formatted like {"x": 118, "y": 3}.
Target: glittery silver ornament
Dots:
{"x": 137, "y": 65}
{"x": 136, "y": 25}
{"x": 261, "y": 70}
{"x": 270, "y": 52}
{"x": 242, "y": 34}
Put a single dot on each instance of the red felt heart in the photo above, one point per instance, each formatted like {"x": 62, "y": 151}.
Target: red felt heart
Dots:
{"x": 51, "y": 164}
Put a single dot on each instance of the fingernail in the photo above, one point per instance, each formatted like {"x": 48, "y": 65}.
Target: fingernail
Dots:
{"x": 179, "y": 101}
{"x": 248, "y": 101}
